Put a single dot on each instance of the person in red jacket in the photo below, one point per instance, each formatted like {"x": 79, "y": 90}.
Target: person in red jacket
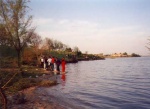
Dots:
{"x": 63, "y": 64}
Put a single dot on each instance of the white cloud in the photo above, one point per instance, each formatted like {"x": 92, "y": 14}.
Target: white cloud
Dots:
{"x": 90, "y": 36}
{"x": 42, "y": 21}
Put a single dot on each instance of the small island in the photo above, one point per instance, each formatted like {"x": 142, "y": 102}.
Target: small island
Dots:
{"x": 117, "y": 55}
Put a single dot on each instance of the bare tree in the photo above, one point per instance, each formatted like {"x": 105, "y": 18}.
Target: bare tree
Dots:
{"x": 49, "y": 43}
{"x": 76, "y": 49}
{"x": 13, "y": 13}
{"x": 4, "y": 39}
{"x": 35, "y": 42}
{"x": 58, "y": 45}
{"x": 65, "y": 47}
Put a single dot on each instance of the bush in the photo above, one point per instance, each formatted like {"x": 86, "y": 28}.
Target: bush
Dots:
{"x": 8, "y": 62}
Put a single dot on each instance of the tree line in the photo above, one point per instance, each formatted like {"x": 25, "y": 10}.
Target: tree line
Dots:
{"x": 18, "y": 35}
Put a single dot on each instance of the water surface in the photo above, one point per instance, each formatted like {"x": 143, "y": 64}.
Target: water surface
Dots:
{"x": 121, "y": 83}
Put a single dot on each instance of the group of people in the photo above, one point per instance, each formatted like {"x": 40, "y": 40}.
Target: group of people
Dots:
{"x": 53, "y": 63}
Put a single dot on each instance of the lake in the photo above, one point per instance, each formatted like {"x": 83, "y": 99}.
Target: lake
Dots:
{"x": 121, "y": 83}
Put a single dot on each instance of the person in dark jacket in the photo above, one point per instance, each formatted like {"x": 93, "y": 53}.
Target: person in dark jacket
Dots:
{"x": 58, "y": 62}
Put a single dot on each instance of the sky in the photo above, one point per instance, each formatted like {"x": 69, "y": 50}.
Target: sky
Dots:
{"x": 95, "y": 26}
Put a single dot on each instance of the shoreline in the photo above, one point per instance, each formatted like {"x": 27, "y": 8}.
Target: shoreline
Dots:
{"x": 35, "y": 98}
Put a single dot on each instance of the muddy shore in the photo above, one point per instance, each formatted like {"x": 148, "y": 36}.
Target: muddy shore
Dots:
{"x": 35, "y": 97}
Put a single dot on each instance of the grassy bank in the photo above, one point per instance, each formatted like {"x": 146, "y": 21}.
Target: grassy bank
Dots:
{"x": 31, "y": 77}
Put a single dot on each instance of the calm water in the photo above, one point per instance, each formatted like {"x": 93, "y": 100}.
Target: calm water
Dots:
{"x": 121, "y": 83}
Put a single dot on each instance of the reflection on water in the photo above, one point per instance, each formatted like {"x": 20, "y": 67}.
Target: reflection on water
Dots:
{"x": 63, "y": 77}
{"x": 63, "y": 80}
{"x": 122, "y": 83}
